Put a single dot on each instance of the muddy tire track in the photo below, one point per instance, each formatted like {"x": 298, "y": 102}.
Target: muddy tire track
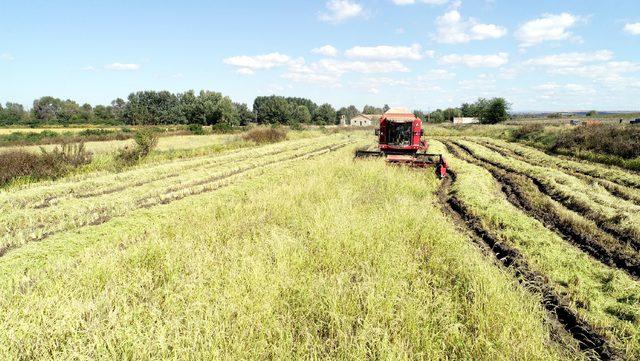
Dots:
{"x": 522, "y": 193}
{"x": 589, "y": 340}
{"x": 608, "y": 226}
{"x": 617, "y": 189}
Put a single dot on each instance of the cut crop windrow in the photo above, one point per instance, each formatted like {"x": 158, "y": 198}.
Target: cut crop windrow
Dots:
{"x": 589, "y": 339}
{"x": 623, "y": 177}
{"x": 101, "y": 214}
{"x": 525, "y": 195}
{"x": 93, "y": 185}
{"x": 628, "y": 193}
{"x": 611, "y": 224}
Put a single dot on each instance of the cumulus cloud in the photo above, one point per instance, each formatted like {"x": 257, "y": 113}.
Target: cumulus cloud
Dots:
{"x": 340, "y": 10}
{"x": 452, "y": 29}
{"x": 326, "y": 50}
{"x": 549, "y": 27}
{"x": 122, "y": 66}
{"x": 6, "y": 57}
{"x": 89, "y": 68}
{"x": 413, "y": 52}
{"x": 247, "y": 65}
{"x": 437, "y": 74}
{"x": 365, "y": 67}
{"x": 571, "y": 59}
{"x": 633, "y": 29}
{"x": 477, "y": 61}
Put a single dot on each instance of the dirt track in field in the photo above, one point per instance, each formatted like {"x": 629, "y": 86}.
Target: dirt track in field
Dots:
{"x": 610, "y": 227}
{"x": 523, "y": 193}
{"x": 564, "y": 319}
{"x": 617, "y": 189}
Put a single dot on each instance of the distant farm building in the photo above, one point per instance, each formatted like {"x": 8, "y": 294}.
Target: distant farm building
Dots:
{"x": 364, "y": 120}
{"x": 465, "y": 120}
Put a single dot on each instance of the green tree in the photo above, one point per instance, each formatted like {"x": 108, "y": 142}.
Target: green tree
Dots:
{"x": 272, "y": 110}
{"x": 451, "y": 113}
{"x": 369, "y": 109}
{"x": 592, "y": 113}
{"x": 311, "y": 106}
{"x": 46, "y": 108}
{"x": 325, "y": 115}
{"x": 301, "y": 115}
{"x": 244, "y": 114}
{"x": 495, "y": 111}
{"x": 437, "y": 116}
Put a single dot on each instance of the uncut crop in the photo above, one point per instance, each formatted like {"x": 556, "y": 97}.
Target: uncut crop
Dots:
{"x": 293, "y": 264}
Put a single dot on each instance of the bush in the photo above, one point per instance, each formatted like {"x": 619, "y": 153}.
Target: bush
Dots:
{"x": 146, "y": 140}
{"x": 20, "y": 163}
{"x": 614, "y": 140}
{"x": 196, "y": 129}
{"x": 221, "y": 128}
{"x": 525, "y": 131}
{"x": 265, "y": 135}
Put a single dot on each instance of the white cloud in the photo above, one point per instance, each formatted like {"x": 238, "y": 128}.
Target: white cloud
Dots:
{"x": 326, "y": 50}
{"x": 258, "y": 62}
{"x": 341, "y": 67}
{"x": 245, "y": 71}
{"x": 452, "y": 29}
{"x": 340, "y": 10}
{"x": 549, "y": 27}
{"x": 89, "y": 68}
{"x": 599, "y": 71}
{"x": 477, "y": 61}
{"x": 633, "y": 29}
{"x": 314, "y": 78}
{"x": 437, "y": 74}
{"x": 566, "y": 89}
{"x": 122, "y": 66}
{"x": 6, "y": 57}
{"x": 430, "y": 2}
{"x": 571, "y": 59}
{"x": 413, "y": 52}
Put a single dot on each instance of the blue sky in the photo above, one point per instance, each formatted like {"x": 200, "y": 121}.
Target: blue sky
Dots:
{"x": 426, "y": 54}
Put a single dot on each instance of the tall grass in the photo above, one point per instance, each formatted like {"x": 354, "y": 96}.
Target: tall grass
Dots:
{"x": 315, "y": 260}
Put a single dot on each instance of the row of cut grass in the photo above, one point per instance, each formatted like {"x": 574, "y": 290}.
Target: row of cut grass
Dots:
{"x": 605, "y": 297}
{"x": 610, "y": 212}
{"x": 610, "y": 173}
{"x": 26, "y": 224}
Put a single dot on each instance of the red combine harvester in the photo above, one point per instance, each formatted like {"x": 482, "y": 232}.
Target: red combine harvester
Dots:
{"x": 399, "y": 141}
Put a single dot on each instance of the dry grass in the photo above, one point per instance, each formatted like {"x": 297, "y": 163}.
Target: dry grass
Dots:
{"x": 262, "y": 135}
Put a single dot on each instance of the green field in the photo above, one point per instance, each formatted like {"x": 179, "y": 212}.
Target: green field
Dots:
{"x": 218, "y": 248}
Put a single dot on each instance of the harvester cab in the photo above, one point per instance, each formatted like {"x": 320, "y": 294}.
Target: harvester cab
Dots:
{"x": 400, "y": 142}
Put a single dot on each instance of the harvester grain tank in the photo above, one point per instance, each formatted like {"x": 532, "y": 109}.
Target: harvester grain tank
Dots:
{"x": 400, "y": 142}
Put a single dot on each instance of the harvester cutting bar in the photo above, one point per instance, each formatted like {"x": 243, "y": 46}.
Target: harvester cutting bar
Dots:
{"x": 368, "y": 153}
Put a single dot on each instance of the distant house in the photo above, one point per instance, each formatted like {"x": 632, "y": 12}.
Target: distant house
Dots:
{"x": 364, "y": 120}
{"x": 465, "y": 120}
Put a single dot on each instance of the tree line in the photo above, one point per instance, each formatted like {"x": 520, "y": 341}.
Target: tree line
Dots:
{"x": 213, "y": 108}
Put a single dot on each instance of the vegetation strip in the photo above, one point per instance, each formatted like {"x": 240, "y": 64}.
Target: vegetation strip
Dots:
{"x": 174, "y": 194}
{"x": 588, "y": 338}
{"x": 611, "y": 225}
{"x": 615, "y": 187}
{"x": 524, "y": 194}
{"x": 622, "y": 176}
